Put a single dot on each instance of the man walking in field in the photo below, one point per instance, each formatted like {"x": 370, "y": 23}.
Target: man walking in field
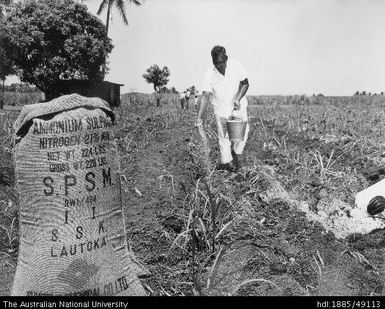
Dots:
{"x": 227, "y": 81}
{"x": 182, "y": 99}
{"x": 196, "y": 100}
{"x": 187, "y": 97}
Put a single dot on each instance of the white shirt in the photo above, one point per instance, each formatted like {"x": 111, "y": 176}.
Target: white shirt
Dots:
{"x": 225, "y": 87}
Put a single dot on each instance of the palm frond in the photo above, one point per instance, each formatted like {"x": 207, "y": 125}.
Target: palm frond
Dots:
{"x": 102, "y": 6}
{"x": 120, "y": 5}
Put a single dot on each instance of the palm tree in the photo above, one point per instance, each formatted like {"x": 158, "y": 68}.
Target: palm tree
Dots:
{"x": 120, "y": 5}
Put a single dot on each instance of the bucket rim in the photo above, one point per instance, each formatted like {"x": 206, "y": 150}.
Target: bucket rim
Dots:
{"x": 235, "y": 121}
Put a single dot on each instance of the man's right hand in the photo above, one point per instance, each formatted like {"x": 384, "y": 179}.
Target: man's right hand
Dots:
{"x": 199, "y": 122}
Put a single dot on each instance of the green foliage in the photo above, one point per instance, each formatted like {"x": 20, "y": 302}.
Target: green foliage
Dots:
{"x": 6, "y": 67}
{"x": 166, "y": 90}
{"x": 22, "y": 98}
{"x": 157, "y": 76}
{"x": 6, "y": 64}
{"x": 53, "y": 40}
{"x": 4, "y": 4}
{"x": 173, "y": 90}
{"x": 21, "y": 87}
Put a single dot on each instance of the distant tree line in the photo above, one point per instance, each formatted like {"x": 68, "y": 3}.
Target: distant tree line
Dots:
{"x": 367, "y": 93}
{"x": 171, "y": 90}
{"x": 21, "y": 88}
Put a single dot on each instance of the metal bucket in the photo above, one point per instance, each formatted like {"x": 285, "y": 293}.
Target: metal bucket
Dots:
{"x": 236, "y": 129}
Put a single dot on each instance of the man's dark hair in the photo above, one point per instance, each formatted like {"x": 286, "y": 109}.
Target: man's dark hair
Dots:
{"x": 216, "y": 51}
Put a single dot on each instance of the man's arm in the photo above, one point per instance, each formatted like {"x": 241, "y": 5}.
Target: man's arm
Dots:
{"x": 202, "y": 107}
{"x": 242, "y": 89}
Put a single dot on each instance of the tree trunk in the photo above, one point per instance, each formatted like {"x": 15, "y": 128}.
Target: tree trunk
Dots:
{"x": 2, "y": 96}
{"x": 108, "y": 17}
{"x": 107, "y": 26}
{"x": 158, "y": 95}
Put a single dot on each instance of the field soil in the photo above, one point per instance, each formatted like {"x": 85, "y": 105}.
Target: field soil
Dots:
{"x": 260, "y": 241}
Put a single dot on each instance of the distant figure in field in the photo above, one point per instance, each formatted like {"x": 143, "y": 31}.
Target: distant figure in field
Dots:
{"x": 227, "y": 81}
{"x": 184, "y": 99}
{"x": 196, "y": 100}
{"x": 187, "y": 98}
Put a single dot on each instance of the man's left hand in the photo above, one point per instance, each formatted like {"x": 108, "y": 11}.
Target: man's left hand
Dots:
{"x": 198, "y": 122}
{"x": 237, "y": 104}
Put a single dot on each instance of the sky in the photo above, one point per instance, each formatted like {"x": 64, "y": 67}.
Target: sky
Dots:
{"x": 334, "y": 47}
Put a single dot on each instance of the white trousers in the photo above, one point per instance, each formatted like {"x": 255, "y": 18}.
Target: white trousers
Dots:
{"x": 225, "y": 145}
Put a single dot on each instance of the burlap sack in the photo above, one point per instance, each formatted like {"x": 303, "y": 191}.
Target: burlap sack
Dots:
{"x": 72, "y": 231}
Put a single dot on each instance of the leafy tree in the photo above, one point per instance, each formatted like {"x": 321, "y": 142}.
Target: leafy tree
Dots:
{"x": 120, "y": 5}
{"x": 6, "y": 65}
{"x": 159, "y": 78}
{"x": 51, "y": 40}
{"x": 6, "y": 68}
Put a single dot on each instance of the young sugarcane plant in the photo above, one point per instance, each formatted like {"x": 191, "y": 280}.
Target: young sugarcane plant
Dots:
{"x": 214, "y": 209}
